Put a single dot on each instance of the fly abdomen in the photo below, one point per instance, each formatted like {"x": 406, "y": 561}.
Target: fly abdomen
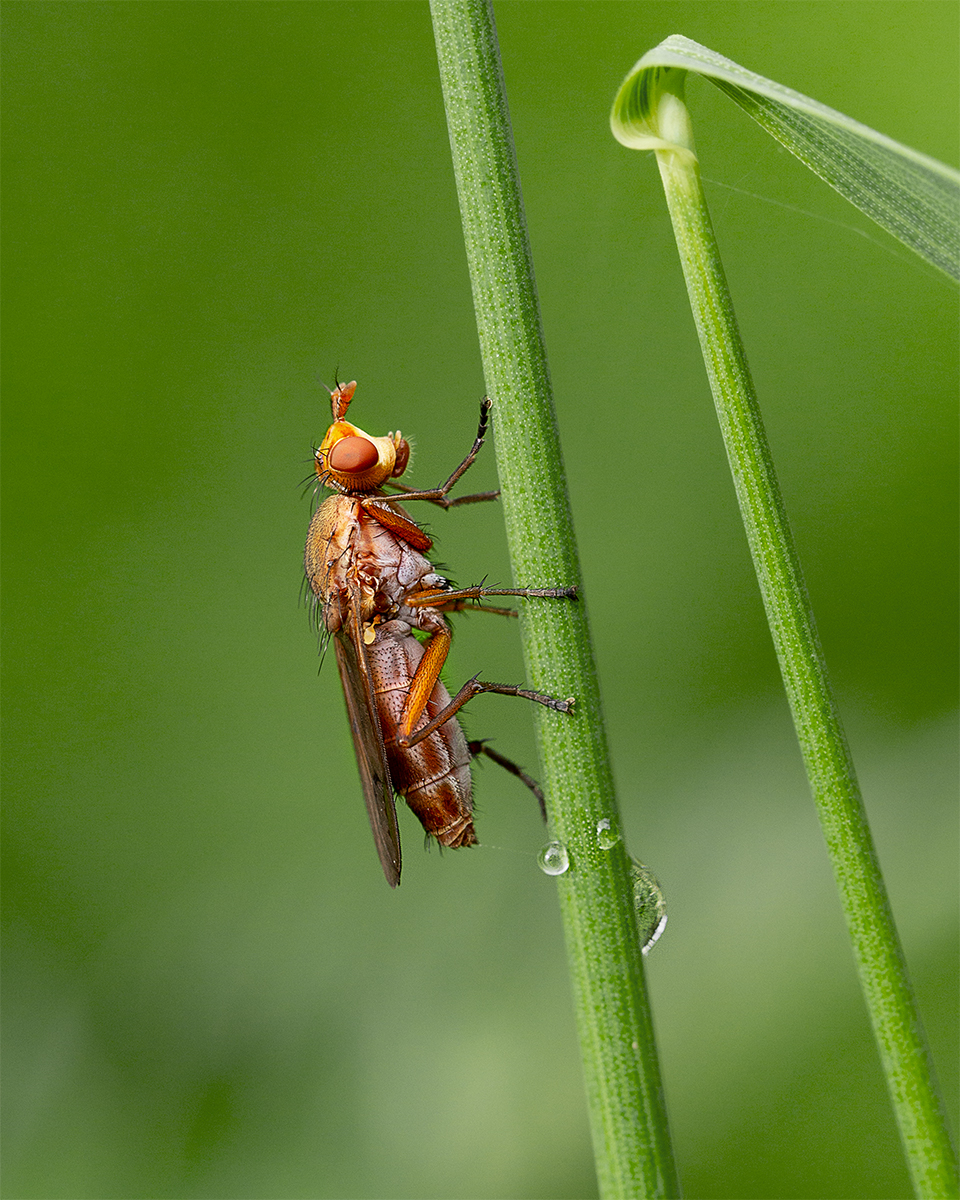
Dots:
{"x": 434, "y": 775}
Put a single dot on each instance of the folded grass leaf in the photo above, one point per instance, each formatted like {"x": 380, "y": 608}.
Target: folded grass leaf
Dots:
{"x": 912, "y": 196}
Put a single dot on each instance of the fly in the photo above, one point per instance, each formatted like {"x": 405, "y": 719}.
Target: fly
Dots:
{"x": 366, "y": 564}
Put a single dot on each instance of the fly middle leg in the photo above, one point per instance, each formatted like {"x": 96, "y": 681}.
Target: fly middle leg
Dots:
{"x": 435, "y": 655}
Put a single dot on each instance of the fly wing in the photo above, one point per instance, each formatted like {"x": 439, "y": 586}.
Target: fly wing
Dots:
{"x": 368, "y": 744}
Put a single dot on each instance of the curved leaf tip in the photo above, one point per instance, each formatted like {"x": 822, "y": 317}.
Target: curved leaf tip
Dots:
{"x": 912, "y": 196}
{"x": 649, "y": 112}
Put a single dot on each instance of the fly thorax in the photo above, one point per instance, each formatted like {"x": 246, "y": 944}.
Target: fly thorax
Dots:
{"x": 398, "y": 628}
{"x": 412, "y": 567}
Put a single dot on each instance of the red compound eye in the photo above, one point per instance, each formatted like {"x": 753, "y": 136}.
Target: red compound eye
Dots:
{"x": 353, "y": 455}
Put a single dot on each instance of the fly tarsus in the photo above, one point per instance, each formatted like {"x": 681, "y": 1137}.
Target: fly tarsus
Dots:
{"x": 475, "y": 498}
{"x": 409, "y": 493}
{"x": 560, "y": 593}
{"x": 563, "y": 706}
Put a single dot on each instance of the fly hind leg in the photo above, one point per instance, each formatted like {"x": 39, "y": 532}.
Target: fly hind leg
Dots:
{"x": 478, "y": 748}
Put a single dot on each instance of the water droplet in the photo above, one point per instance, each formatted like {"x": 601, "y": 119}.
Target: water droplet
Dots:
{"x": 607, "y": 836}
{"x": 553, "y": 858}
{"x": 650, "y": 905}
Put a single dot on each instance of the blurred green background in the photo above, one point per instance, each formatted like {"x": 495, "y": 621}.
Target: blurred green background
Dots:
{"x": 210, "y": 991}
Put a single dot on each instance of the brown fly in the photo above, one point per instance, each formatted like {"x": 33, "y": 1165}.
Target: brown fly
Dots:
{"x": 366, "y": 564}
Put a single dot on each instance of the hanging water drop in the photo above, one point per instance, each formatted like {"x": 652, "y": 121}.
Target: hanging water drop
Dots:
{"x": 553, "y": 858}
{"x": 651, "y": 907}
{"x": 607, "y": 836}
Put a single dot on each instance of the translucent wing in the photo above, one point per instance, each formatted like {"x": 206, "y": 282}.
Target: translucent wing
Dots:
{"x": 368, "y": 744}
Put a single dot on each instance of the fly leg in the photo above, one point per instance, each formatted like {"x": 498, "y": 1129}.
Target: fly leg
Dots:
{"x": 476, "y": 687}
{"x": 421, "y": 689}
{"x": 478, "y": 748}
{"x": 440, "y": 597}
{"x": 438, "y": 495}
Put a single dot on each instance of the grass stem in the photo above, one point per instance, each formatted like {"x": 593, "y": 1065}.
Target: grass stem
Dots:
{"x": 883, "y": 974}
{"x": 624, "y": 1094}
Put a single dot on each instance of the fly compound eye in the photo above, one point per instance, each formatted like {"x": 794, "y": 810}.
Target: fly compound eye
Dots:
{"x": 353, "y": 455}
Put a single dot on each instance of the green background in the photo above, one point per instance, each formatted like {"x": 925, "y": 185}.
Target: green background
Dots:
{"x": 210, "y": 991}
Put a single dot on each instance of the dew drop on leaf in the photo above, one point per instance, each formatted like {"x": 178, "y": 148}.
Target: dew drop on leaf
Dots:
{"x": 553, "y": 858}
{"x": 607, "y": 836}
{"x": 651, "y": 908}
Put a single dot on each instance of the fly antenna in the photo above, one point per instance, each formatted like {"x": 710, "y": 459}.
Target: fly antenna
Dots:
{"x": 336, "y": 382}
{"x": 340, "y": 399}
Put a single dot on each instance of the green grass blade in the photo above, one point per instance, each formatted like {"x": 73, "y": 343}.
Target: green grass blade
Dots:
{"x": 655, "y": 102}
{"x": 912, "y": 196}
{"x": 624, "y": 1096}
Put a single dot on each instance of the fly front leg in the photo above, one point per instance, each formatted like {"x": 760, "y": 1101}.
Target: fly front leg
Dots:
{"x": 438, "y": 597}
{"x": 409, "y": 493}
{"x": 438, "y": 495}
